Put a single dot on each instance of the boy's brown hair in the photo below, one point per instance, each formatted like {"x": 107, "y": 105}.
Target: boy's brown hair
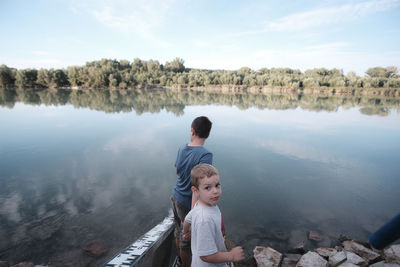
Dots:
{"x": 201, "y": 171}
{"x": 202, "y": 126}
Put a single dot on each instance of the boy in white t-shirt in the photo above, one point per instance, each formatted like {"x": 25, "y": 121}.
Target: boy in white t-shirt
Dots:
{"x": 207, "y": 242}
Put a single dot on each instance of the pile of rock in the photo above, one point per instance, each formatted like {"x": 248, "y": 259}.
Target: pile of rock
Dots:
{"x": 350, "y": 254}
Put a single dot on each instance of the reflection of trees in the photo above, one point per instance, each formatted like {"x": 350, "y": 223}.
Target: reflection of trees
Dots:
{"x": 154, "y": 101}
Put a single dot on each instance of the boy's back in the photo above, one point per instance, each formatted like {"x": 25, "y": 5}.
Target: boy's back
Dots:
{"x": 188, "y": 157}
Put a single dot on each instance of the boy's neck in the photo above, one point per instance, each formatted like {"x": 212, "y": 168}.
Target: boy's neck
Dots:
{"x": 197, "y": 141}
{"x": 201, "y": 203}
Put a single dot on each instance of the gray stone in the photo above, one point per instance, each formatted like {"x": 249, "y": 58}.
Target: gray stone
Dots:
{"x": 280, "y": 234}
{"x": 46, "y": 227}
{"x": 267, "y": 257}
{"x": 298, "y": 249}
{"x": 348, "y": 264}
{"x": 312, "y": 259}
{"x": 96, "y": 248}
{"x": 326, "y": 252}
{"x": 392, "y": 254}
{"x": 297, "y": 237}
{"x": 355, "y": 259}
{"x": 24, "y": 264}
{"x": 290, "y": 260}
{"x": 338, "y": 258}
{"x": 360, "y": 250}
{"x": 314, "y": 236}
{"x": 385, "y": 264}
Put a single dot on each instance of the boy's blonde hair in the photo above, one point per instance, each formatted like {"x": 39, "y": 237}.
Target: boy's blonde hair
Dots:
{"x": 201, "y": 171}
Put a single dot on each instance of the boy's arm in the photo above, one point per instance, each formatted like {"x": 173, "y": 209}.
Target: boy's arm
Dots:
{"x": 195, "y": 196}
{"x": 236, "y": 254}
{"x": 207, "y": 158}
{"x": 186, "y": 231}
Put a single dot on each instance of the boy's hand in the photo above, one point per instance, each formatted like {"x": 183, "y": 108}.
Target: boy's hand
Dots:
{"x": 237, "y": 254}
{"x": 186, "y": 236}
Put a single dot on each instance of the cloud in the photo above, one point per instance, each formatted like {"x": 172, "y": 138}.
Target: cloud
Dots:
{"x": 340, "y": 55}
{"x": 143, "y": 17}
{"x": 329, "y": 15}
{"x": 42, "y": 53}
{"x": 307, "y": 152}
{"x": 139, "y": 141}
{"x": 321, "y": 16}
{"x": 10, "y": 207}
{"x": 47, "y": 63}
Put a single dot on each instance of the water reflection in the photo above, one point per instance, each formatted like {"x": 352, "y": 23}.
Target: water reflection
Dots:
{"x": 142, "y": 101}
{"x": 289, "y": 164}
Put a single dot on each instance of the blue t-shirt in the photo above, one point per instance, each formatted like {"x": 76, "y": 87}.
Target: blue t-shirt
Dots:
{"x": 188, "y": 157}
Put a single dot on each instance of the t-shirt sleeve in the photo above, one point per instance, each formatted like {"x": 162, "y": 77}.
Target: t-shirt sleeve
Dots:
{"x": 206, "y": 244}
{"x": 188, "y": 217}
{"x": 177, "y": 158}
{"x": 207, "y": 158}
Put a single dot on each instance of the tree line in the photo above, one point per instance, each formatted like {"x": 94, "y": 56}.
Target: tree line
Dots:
{"x": 114, "y": 74}
{"x": 140, "y": 101}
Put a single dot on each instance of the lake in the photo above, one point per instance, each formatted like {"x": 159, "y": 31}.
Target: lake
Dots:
{"x": 78, "y": 166}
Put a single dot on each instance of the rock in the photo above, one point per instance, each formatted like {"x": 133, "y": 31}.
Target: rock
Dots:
{"x": 326, "y": 242}
{"x": 384, "y": 264}
{"x": 96, "y": 248}
{"x": 360, "y": 250}
{"x": 338, "y": 248}
{"x": 280, "y": 235}
{"x": 338, "y": 258}
{"x": 355, "y": 259}
{"x": 247, "y": 262}
{"x": 24, "y": 264}
{"x": 297, "y": 237}
{"x": 314, "y": 236}
{"x": 267, "y": 257}
{"x": 326, "y": 252}
{"x": 343, "y": 238}
{"x": 312, "y": 259}
{"x": 46, "y": 227}
{"x": 298, "y": 249}
{"x": 290, "y": 260}
{"x": 392, "y": 254}
{"x": 348, "y": 264}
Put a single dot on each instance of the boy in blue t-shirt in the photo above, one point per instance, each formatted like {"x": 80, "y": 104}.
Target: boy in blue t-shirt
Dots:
{"x": 189, "y": 156}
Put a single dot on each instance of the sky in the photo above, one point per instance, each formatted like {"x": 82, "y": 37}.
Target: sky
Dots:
{"x": 206, "y": 34}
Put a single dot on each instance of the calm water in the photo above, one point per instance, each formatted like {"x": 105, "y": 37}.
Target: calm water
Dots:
{"x": 82, "y": 166}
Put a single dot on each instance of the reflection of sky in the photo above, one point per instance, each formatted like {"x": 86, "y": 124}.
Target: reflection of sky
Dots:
{"x": 80, "y": 161}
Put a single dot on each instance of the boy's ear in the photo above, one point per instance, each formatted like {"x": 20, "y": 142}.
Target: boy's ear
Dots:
{"x": 192, "y": 132}
{"x": 194, "y": 189}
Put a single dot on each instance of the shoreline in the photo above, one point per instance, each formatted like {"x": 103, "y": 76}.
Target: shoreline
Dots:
{"x": 262, "y": 90}
{"x": 346, "y": 252}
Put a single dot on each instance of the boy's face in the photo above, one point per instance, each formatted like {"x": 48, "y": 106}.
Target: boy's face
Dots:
{"x": 210, "y": 190}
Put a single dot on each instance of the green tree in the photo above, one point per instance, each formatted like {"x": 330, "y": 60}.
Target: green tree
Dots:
{"x": 6, "y": 77}
{"x": 26, "y": 78}
{"x": 177, "y": 65}
{"x": 391, "y": 71}
{"x": 376, "y": 72}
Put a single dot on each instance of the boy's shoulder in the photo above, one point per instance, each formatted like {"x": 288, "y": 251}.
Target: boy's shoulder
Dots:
{"x": 204, "y": 213}
{"x": 196, "y": 149}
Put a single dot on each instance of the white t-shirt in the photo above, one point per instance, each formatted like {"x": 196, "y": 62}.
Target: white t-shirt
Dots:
{"x": 206, "y": 234}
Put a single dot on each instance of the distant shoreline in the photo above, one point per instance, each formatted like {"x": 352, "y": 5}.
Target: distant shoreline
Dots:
{"x": 343, "y": 91}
